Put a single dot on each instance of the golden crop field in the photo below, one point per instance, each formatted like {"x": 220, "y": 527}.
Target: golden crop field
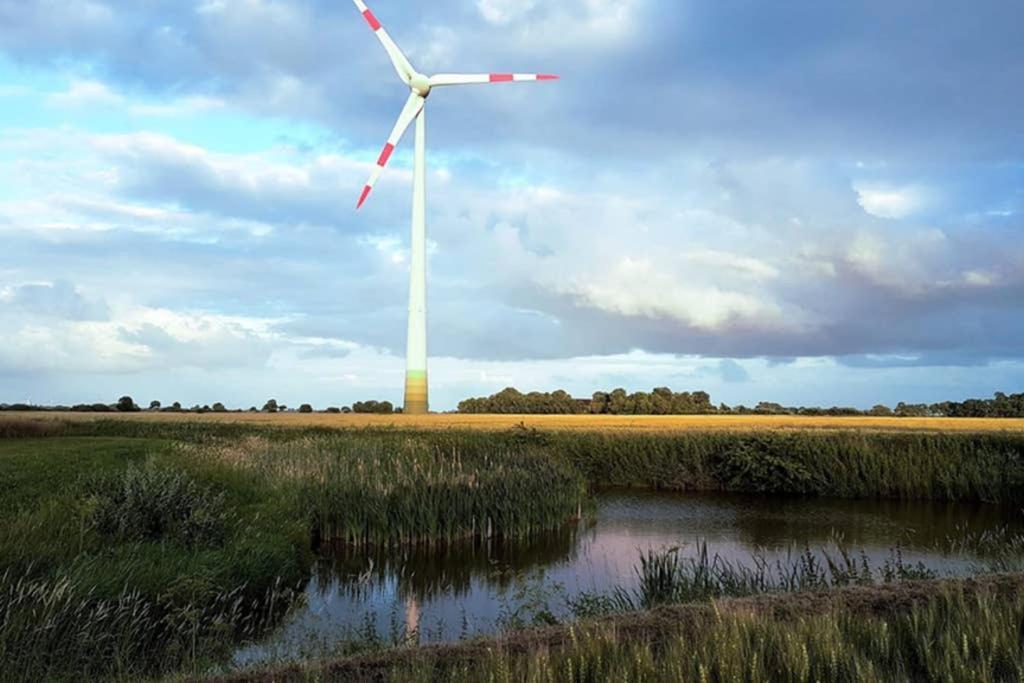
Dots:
{"x": 611, "y": 423}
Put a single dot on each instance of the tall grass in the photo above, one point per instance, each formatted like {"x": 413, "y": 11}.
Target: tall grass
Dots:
{"x": 843, "y": 463}
{"x": 373, "y": 492}
{"x": 951, "y": 637}
{"x": 58, "y": 629}
{"x": 666, "y": 577}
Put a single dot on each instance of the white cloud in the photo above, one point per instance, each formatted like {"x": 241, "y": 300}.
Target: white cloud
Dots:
{"x": 86, "y": 93}
{"x": 639, "y": 288}
{"x": 892, "y": 202}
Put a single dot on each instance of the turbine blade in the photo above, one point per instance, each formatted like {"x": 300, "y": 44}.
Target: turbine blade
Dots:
{"x": 471, "y": 79}
{"x": 399, "y": 60}
{"x": 412, "y": 109}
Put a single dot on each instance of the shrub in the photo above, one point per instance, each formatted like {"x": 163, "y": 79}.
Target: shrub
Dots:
{"x": 151, "y": 503}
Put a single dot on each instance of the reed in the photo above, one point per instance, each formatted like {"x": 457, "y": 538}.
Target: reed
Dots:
{"x": 666, "y": 577}
{"x": 367, "y": 491}
{"x": 953, "y": 636}
{"x": 59, "y": 630}
{"x": 986, "y": 466}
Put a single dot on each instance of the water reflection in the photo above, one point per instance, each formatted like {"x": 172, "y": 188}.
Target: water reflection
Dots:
{"x": 471, "y": 588}
{"x": 424, "y": 573}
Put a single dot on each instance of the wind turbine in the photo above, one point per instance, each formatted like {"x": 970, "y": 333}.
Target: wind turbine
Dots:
{"x": 416, "y": 395}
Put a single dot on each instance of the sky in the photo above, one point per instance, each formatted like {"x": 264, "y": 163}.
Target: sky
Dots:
{"x": 803, "y": 202}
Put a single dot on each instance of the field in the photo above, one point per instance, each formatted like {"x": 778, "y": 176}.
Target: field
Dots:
{"x": 152, "y": 545}
{"x": 597, "y": 423}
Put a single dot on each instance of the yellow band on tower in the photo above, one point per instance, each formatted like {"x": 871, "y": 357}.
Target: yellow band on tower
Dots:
{"x": 416, "y": 400}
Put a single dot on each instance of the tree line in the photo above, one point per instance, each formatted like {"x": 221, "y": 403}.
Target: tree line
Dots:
{"x": 664, "y": 401}
{"x": 126, "y": 404}
{"x": 659, "y": 401}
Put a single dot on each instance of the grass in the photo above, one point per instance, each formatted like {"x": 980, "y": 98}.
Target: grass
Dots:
{"x": 665, "y": 577}
{"x": 601, "y": 423}
{"x": 127, "y": 557}
{"x": 845, "y": 463}
{"x": 926, "y": 630}
{"x": 119, "y": 557}
{"x": 373, "y": 491}
{"x": 134, "y": 547}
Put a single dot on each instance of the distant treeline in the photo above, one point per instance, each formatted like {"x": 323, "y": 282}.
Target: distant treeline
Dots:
{"x": 661, "y": 401}
{"x": 664, "y": 401}
{"x": 126, "y": 404}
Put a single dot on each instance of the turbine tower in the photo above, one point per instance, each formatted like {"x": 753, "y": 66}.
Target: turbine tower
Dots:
{"x": 416, "y": 395}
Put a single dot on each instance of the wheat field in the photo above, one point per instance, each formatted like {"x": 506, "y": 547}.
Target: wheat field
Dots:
{"x": 590, "y": 423}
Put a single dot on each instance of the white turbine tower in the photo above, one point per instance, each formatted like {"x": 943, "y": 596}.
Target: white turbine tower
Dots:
{"x": 416, "y": 396}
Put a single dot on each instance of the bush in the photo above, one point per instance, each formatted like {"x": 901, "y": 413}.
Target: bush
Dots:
{"x": 155, "y": 504}
{"x": 305, "y": 408}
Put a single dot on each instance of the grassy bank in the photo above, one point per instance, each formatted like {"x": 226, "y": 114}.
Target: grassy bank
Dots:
{"x": 118, "y": 557}
{"x": 128, "y": 557}
{"x": 846, "y": 463}
{"x": 928, "y": 630}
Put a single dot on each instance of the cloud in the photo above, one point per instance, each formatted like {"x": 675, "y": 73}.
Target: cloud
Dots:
{"x": 891, "y": 202}
{"x": 60, "y": 300}
{"x": 733, "y": 182}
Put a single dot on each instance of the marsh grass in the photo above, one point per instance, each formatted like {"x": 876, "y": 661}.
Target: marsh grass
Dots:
{"x": 952, "y": 637}
{"x": 665, "y": 576}
{"x": 154, "y": 503}
{"x": 59, "y": 629}
{"x": 406, "y": 491}
{"x": 980, "y": 466}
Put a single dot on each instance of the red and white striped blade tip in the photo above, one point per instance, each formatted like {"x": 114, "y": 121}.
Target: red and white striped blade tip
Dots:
{"x": 363, "y": 196}
{"x": 508, "y": 78}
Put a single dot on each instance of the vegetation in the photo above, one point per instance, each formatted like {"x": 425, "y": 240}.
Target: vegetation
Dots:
{"x": 660, "y": 401}
{"x": 952, "y": 637}
{"x": 120, "y": 556}
{"x": 663, "y": 401}
{"x": 929, "y": 630}
{"x": 381, "y": 490}
{"x": 373, "y": 407}
{"x": 665, "y": 577}
{"x": 134, "y": 556}
{"x": 135, "y": 547}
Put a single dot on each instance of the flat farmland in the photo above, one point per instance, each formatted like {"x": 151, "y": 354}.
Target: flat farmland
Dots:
{"x": 579, "y": 423}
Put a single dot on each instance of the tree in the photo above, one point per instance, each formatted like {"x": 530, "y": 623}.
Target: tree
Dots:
{"x": 305, "y": 408}
{"x": 219, "y": 408}
{"x": 270, "y": 406}
{"x": 125, "y": 404}
{"x": 881, "y": 411}
{"x": 154, "y": 405}
{"x": 333, "y": 410}
{"x": 176, "y": 407}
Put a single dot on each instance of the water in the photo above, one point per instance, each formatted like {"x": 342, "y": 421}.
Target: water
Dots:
{"x": 473, "y": 589}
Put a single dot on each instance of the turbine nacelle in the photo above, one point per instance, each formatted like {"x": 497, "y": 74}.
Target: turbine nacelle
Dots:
{"x": 420, "y": 84}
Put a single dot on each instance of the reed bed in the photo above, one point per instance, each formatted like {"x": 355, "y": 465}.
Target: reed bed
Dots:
{"x": 843, "y": 463}
{"x": 666, "y": 577}
{"x": 575, "y": 423}
{"x": 366, "y": 491}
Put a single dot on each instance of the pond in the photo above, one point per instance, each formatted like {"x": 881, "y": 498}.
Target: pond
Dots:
{"x": 473, "y": 589}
